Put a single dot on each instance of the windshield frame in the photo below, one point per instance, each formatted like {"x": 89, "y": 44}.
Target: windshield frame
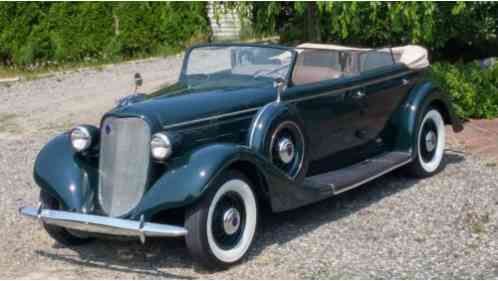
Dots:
{"x": 292, "y": 51}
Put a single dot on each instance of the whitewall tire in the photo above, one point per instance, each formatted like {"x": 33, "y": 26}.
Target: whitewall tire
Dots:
{"x": 431, "y": 142}
{"x": 222, "y": 225}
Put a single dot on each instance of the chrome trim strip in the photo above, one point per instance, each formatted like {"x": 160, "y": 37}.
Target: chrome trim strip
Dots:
{"x": 256, "y": 120}
{"x": 352, "y": 87}
{"x": 291, "y": 100}
{"x": 103, "y": 225}
{"x": 372, "y": 178}
{"x": 223, "y": 122}
{"x": 210, "y": 118}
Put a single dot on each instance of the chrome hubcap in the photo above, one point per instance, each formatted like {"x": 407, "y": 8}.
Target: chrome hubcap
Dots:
{"x": 286, "y": 150}
{"x": 231, "y": 221}
{"x": 430, "y": 141}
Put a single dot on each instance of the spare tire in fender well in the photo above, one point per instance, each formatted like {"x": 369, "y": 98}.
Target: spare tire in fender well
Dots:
{"x": 263, "y": 127}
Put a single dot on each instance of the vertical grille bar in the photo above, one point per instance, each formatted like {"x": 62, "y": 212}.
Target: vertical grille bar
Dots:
{"x": 123, "y": 165}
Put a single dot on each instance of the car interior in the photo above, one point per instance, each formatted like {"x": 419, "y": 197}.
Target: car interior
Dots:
{"x": 320, "y": 62}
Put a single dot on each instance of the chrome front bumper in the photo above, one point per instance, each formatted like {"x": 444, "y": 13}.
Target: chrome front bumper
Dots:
{"x": 103, "y": 225}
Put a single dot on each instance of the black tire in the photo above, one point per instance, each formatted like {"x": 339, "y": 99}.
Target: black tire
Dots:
{"x": 207, "y": 239}
{"x": 60, "y": 234}
{"x": 430, "y": 144}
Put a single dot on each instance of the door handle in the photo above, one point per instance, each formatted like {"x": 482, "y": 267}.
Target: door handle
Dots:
{"x": 358, "y": 95}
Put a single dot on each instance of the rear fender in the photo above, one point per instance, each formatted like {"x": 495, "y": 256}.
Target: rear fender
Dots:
{"x": 406, "y": 119}
{"x": 64, "y": 174}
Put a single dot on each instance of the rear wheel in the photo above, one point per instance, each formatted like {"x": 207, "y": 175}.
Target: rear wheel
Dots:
{"x": 60, "y": 234}
{"x": 430, "y": 145}
{"x": 222, "y": 225}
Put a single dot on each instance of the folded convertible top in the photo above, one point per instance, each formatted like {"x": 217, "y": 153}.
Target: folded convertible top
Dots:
{"x": 413, "y": 56}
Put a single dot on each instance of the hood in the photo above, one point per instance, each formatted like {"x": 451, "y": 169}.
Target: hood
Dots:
{"x": 177, "y": 103}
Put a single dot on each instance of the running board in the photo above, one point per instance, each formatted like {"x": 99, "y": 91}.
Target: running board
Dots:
{"x": 344, "y": 179}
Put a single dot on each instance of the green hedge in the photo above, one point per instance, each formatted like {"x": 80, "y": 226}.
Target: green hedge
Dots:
{"x": 474, "y": 90}
{"x": 72, "y": 32}
{"x": 450, "y": 30}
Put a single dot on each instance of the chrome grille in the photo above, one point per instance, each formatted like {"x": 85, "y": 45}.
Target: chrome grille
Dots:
{"x": 123, "y": 165}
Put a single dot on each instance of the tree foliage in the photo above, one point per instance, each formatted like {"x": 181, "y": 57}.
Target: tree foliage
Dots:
{"x": 65, "y": 31}
{"x": 454, "y": 31}
{"x": 474, "y": 90}
{"x": 447, "y": 28}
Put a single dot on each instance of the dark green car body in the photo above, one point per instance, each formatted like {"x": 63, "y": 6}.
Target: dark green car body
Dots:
{"x": 226, "y": 126}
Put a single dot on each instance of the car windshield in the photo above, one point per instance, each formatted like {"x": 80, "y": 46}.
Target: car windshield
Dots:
{"x": 235, "y": 65}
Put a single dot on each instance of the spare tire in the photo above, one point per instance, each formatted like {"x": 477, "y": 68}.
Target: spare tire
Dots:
{"x": 277, "y": 134}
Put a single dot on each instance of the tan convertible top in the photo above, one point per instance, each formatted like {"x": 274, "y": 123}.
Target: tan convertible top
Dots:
{"x": 413, "y": 56}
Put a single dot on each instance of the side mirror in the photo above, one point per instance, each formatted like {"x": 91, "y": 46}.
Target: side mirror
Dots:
{"x": 279, "y": 83}
{"x": 138, "y": 81}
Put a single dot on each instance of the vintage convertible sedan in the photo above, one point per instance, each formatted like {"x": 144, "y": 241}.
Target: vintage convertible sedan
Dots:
{"x": 245, "y": 126}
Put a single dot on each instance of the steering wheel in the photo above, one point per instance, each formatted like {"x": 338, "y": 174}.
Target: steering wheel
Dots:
{"x": 262, "y": 72}
{"x": 199, "y": 76}
{"x": 245, "y": 57}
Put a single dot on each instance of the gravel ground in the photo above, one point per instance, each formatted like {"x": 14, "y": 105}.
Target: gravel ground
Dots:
{"x": 395, "y": 227}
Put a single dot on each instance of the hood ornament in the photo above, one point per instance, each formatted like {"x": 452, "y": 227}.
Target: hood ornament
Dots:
{"x": 138, "y": 81}
{"x": 135, "y": 97}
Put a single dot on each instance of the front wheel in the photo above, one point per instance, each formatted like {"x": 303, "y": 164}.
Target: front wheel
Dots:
{"x": 430, "y": 145}
{"x": 222, "y": 225}
{"x": 62, "y": 235}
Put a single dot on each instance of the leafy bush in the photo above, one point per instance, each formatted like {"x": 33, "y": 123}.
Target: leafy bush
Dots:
{"x": 474, "y": 90}
{"x": 451, "y": 30}
{"x": 72, "y": 32}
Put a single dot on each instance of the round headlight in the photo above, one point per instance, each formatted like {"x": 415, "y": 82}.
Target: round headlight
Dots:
{"x": 160, "y": 146}
{"x": 81, "y": 138}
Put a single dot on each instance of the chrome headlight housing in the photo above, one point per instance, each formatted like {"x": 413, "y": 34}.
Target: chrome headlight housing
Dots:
{"x": 82, "y": 138}
{"x": 161, "y": 146}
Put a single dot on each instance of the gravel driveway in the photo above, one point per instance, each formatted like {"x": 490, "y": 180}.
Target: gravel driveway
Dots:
{"x": 395, "y": 227}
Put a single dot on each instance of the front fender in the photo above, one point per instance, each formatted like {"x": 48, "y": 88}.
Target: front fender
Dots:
{"x": 187, "y": 178}
{"x": 64, "y": 174}
{"x": 406, "y": 119}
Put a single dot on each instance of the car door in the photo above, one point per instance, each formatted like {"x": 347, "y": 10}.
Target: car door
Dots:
{"x": 328, "y": 111}
{"x": 385, "y": 87}
{"x": 328, "y": 119}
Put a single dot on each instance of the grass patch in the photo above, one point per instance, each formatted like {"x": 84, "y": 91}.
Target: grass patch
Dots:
{"x": 477, "y": 222}
{"x": 57, "y": 127}
{"x": 45, "y": 70}
{"x": 478, "y": 227}
{"x": 5, "y": 117}
{"x": 491, "y": 164}
{"x": 6, "y": 72}
{"x": 8, "y": 124}
{"x": 325, "y": 271}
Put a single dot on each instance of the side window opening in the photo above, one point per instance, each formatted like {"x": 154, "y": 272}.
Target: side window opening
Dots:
{"x": 376, "y": 59}
{"x": 321, "y": 62}
{"x": 314, "y": 65}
